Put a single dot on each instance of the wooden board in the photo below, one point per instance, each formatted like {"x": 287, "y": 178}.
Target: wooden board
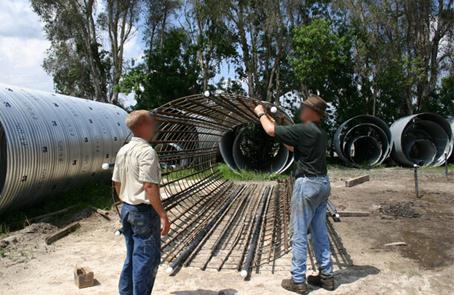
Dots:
{"x": 357, "y": 180}
{"x": 62, "y": 233}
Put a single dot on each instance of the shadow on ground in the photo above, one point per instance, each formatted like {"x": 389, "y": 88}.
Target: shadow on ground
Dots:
{"x": 207, "y": 292}
{"x": 353, "y": 273}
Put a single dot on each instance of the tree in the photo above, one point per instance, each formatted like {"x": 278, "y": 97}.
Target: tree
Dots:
{"x": 71, "y": 24}
{"x": 210, "y": 35}
{"x": 157, "y": 17}
{"x": 71, "y": 75}
{"x": 74, "y": 28}
{"x": 168, "y": 72}
{"x": 322, "y": 63}
{"x": 119, "y": 20}
{"x": 264, "y": 39}
{"x": 443, "y": 102}
{"x": 413, "y": 37}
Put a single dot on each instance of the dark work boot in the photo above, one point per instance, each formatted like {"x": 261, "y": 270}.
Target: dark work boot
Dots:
{"x": 289, "y": 285}
{"x": 322, "y": 282}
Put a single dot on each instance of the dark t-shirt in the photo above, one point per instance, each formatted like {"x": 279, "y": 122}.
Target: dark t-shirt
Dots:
{"x": 309, "y": 141}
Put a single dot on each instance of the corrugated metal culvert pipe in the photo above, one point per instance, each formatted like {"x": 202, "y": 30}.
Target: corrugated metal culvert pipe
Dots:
{"x": 423, "y": 139}
{"x": 451, "y": 122}
{"x": 363, "y": 141}
{"x": 50, "y": 143}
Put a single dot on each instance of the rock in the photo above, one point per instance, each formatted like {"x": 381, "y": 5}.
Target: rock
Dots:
{"x": 400, "y": 209}
{"x": 10, "y": 240}
{"x": 39, "y": 227}
{"x": 3, "y": 244}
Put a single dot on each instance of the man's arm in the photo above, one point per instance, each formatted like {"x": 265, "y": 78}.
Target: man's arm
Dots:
{"x": 117, "y": 186}
{"x": 287, "y": 135}
{"x": 154, "y": 196}
{"x": 150, "y": 177}
{"x": 289, "y": 147}
{"x": 267, "y": 122}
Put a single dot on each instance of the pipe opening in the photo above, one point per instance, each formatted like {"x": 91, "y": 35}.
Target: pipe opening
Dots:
{"x": 248, "y": 147}
{"x": 3, "y": 160}
{"x": 365, "y": 151}
{"x": 363, "y": 141}
{"x": 421, "y": 152}
{"x": 174, "y": 142}
{"x": 423, "y": 139}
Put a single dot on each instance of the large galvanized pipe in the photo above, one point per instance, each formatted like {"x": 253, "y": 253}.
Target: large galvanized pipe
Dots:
{"x": 451, "y": 122}
{"x": 423, "y": 139}
{"x": 50, "y": 143}
{"x": 363, "y": 141}
{"x": 248, "y": 147}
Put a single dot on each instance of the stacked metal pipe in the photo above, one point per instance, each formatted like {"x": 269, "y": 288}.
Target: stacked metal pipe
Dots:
{"x": 424, "y": 139}
{"x": 363, "y": 141}
{"x": 451, "y": 122}
{"x": 50, "y": 143}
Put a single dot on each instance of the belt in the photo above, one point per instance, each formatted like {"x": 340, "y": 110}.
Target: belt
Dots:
{"x": 308, "y": 175}
{"x": 140, "y": 207}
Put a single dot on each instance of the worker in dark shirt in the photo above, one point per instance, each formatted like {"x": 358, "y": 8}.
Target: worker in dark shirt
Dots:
{"x": 311, "y": 190}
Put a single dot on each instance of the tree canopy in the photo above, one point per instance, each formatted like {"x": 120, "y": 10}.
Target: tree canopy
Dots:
{"x": 386, "y": 58}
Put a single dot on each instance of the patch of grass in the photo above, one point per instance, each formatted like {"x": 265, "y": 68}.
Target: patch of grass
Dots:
{"x": 96, "y": 195}
{"x": 4, "y": 228}
{"x": 440, "y": 168}
{"x": 245, "y": 175}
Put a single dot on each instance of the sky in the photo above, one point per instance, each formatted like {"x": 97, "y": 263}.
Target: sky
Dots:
{"x": 23, "y": 47}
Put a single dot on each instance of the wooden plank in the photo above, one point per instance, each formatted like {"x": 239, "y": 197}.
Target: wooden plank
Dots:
{"x": 62, "y": 233}
{"x": 47, "y": 215}
{"x": 395, "y": 244}
{"x": 83, "y": 277}
{"x": 102, "y": 213}
{"x": 353, "y": 213}
{"x": 357, "y": 180}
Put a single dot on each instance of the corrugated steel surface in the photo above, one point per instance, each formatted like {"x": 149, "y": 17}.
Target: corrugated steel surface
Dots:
{"x": 421, "y": 139}
{"x": 51, "y": 142}
{"x": 363, "y": 140}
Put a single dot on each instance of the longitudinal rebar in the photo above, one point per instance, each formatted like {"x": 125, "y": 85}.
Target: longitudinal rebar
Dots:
{"x": 218, "y": 223}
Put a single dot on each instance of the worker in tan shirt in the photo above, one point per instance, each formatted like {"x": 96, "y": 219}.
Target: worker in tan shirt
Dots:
{"x": 136, "y": 177}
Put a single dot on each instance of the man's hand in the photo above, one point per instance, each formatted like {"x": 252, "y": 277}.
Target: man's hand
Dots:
{"x": 153, "y": 194}
{"x": 165, "y": 225}
{"x": 259, "y": 109}
{"x": 289, "y": 147}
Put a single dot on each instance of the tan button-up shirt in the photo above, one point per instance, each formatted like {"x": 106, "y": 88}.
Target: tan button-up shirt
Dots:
{"x": 136, "y": 162}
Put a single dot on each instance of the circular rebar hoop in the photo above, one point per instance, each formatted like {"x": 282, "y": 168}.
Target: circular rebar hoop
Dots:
{"x": 196, "y": 129}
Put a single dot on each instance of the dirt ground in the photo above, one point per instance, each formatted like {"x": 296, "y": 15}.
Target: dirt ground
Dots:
{"x": 423, "y": 265}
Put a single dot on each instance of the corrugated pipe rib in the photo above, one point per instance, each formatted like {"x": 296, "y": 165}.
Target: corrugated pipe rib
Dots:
{"x": 423, "y": 139}
{"x": 363, "y": 141}
{"x": 451, "y": 122}
{"x": 50, "y": 143}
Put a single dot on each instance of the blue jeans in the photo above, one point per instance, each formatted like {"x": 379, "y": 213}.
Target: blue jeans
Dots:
{"x": 141, "y": 229}
{"x": 308, "y": 211}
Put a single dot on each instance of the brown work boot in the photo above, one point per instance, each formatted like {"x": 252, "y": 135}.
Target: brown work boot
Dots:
{"x": 289, "y": 285}
{"x": 322, "y": 282}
